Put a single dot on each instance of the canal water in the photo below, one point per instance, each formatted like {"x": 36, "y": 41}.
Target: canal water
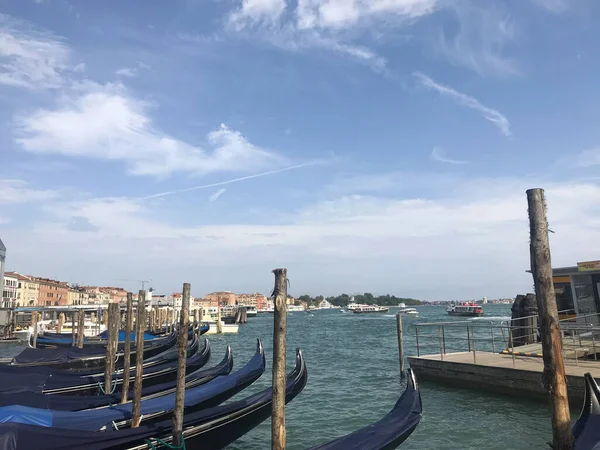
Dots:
{"x": 354, "y": 380}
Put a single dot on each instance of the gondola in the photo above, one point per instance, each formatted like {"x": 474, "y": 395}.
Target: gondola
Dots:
{"x": 54, "y": 340}
{"x": 586, "y": 429}
{"x": 208, "y": 429}
{"x": 80, "y": 403}
{"x": 73, "y": 358}
{"x": 390, "y": 431}
{"x": 155, "y": 409}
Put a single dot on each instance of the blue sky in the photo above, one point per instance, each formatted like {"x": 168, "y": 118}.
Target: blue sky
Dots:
{"x": 381, "y": 145}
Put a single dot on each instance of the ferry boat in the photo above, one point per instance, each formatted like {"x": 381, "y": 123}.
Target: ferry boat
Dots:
{"x": 295, "y": 308}
{"x": 353, "y": 305}
{"x": 465, "y": 309}
{"x": 408, "y": 312}
{"x": 368, "y": 309}
{"x": 251, "y": 311}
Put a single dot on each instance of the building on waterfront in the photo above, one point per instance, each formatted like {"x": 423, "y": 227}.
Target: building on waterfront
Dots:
{"x": 2, "y": 262}
{"x": 258, "y": 300}
{"x": 53, "y": 292}
{"x": 224, "y": 297}
{"x": 28, "y": 290}
{"x": 577, "y": 290}
{"x": 9, "y": 290}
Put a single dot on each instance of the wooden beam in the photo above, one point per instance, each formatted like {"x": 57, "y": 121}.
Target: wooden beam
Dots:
{"x": 279, "y": 353}
{"x": 127, "y": 349}
{"x": 182, "y": 347}
{"x": 140, "y": 327}
{"x": 111, "y": 346}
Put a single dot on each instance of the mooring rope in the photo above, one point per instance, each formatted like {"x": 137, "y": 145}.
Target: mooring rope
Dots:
{"x": 161, "y": 442}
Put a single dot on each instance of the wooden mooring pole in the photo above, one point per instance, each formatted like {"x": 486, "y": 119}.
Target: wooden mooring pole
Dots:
{"x": 279, "y": 353}
{"x": 400, "y": 344}
{"x": 61, "y": 322}
{"x": 182, "y": 344}
{"x": 80, "y": 328}
{"x": 554, "y": 377}
{"x": 34, "y": 319}
{"x": 72, "y": 328}
{"x": 111, "y": 346}
{"x": 127, "y": 349}
{"x": 140, "y": 326}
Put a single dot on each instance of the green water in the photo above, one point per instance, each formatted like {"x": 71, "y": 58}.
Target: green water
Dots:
{"x": 353, "y": 381}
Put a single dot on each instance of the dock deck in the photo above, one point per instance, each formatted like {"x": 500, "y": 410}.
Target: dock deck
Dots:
{"x": 498, "y": 373}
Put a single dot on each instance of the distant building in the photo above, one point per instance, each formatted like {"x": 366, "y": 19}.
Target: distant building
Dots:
{"x": 224, "y": 297}
{"x": 53, "y": 292}
{"x": 257, "y": 300}
{"x": 9, "y": 290}
{"x": 2, "y": 262}
{"x": 28, "y": 290}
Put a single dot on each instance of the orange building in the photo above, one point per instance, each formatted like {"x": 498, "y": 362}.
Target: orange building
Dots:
{"x": 52, "y": 292}
{"x": 225, "y": 297}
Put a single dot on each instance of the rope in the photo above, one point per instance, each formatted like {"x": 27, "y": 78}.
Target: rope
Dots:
{"x": 163, "y": 443}
{"x": 113, "y": 388}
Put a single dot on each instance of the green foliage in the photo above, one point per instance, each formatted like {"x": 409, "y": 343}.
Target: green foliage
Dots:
{"x": 366, "y": 298}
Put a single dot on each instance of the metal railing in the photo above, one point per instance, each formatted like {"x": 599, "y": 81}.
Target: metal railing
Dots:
{"x": 579, "y": 341}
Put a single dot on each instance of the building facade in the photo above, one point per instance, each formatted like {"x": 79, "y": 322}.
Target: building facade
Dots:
{"x": 224, "y": 297}
{"x": 28, "y": 290}
{"x": 9, "y": 290}
{"x": 577, "y": 290}
{"x": 52, "y": 292}
{"x": 2, "y": 262}
{"x": 256, "y": 299}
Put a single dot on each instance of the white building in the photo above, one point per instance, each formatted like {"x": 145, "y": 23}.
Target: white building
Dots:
{"x": 9, "y": 291}
{"x": 2, "y": 261}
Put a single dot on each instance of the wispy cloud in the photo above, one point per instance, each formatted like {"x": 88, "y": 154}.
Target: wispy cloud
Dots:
{"x": 553, "y": 6}
{"x": 18, "y": 191}
{"x": 497, "y": 118}
{"x": 438, "y": 154}
{"x": 106, "y": 122}
{"x": 30, "y": 58}
{"x": 216, "y": 195}
{"x": 479, "y": 43}
{"x": 251, "y": 12}
{"x": 588, "y": 158}
{"x": 132, "y": 72}
{"x": 234, "y": 180}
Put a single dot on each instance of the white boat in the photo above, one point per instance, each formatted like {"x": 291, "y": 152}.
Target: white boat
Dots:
{"x": 90, "y": 328}
{"x": 295, "y": 308}
{"x": 408, "y": 312}
{"x": 325, "y": 305}
{"x": 369, "y": 309}
{"x": 24, "y": 334}
{"x": 353, "y": 306}
{"x": 401, "y": 305}
{"x": 251, "y": 311}
{"x": 225, "y": 328}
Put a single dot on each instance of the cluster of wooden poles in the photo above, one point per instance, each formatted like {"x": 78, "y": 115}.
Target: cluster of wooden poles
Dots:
{"x": 154, "y": 322}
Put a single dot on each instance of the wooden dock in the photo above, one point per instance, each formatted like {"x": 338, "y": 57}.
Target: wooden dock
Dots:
{"x": 495, "y": 372}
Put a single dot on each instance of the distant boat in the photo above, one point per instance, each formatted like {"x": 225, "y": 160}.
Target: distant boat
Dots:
{"x": 465, "y": 309}
{"x": 401, "y": 305}
{"x": 408, "y": 312}
{"x": 325, "y": 305}
{"x": 369, "y": 309}
{"x": 295, "y": 308}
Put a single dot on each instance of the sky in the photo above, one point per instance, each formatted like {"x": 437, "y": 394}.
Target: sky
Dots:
{"x": 379, "y": 146}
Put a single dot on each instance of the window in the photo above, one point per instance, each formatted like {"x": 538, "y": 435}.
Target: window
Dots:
{"x": 564, "y": 297}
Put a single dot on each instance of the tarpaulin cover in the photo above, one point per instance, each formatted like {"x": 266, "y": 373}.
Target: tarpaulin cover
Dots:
{"x": 122, "y": 335}
{"x": 26, "y": 414}
{"x": 96, "y": 419}
{"x": 226, "y": 425}
{"x": 56, "y": 355}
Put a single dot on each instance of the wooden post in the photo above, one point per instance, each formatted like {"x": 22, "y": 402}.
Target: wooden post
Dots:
{"x": 105, "y": 316}
{"x": 219, "y": 324}
{"x": 199, "y": 322}
{"x": 279, "y": 375}
{"x": 111, "y": 345}
{"x": 80, "y": 328}
{"x": 140, "y": 326}
{"x": 72, "y": 328}
{"x": 182, "y": 343}
{"x": 61, "y": 322}
{"x": 400, "y": 344}
{"x": 127, "y": 349}
{"x": 554, "y": 368}
{"x": 34, "y": 319}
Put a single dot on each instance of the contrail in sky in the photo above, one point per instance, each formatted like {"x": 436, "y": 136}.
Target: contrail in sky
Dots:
{"x": 235, "y": 180}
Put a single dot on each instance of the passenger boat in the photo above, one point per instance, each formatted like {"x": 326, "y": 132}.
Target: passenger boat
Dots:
{"x": 465, "y": 309}
{"x": 295, "y": 308}
{"x": 251, "y": 311}
{"x": 408, "y": 312}
{"x": 370, "y": 309}
{"x": 390, "y": 431}
{"x": 352, "y": 305}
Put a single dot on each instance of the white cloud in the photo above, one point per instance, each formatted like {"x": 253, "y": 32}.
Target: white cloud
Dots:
{"x": 497, "y": 118}
{"x": 17, "y": 191}
{"x": 438, "y": 154}
{"x": 127, "y": 72}
{"x": 553, "y": 6}
{"x": 480, "y": 42}
{"x": 79, "y": 68}
{"x": 588, "y": 158}
{"x": 216, "y": 195}
{"x": 453, "y": 235}
{"x": 29, "y": 58}
{"x": 105, "y": 122}
{"x": 255, "y": 11}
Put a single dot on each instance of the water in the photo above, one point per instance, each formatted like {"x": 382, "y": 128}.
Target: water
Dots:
{"x": 353, "y": 381}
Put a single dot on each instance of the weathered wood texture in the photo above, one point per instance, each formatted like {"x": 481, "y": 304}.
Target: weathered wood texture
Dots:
{"x": 279, "y": 353}
{"x": 140, "y": 327}
{"x": 400, "y": 344}
{"x": 182, "y": 347}
{"x": 554, "y": 368}
{"x": 111, "y": 345}
{"x": 127, "y": 348}
{"x": 80, "y": 328}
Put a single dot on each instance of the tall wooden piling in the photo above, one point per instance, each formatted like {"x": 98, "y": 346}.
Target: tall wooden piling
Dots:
{"x": 34, "y": 319}
{"x": 127, "y": 349}
{"x": 554, "y": 369}
{"x": 400, "y": 344}
{"x": 111, "y": 345}
{"x": 219, "y": 323}
{"x": 72, "y": 328}
{"x": 140, "y": 326}
{"x": 182, "y": 344}
{"x": 200, "y": 314}
{"x": 80, "y": 328}
{"x": 279, "y": 352}
{"x": 61, "y": 322}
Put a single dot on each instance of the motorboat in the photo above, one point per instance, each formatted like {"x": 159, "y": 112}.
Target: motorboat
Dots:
{"x": 408, "y": 312}
{"x": 370, "y": 309}
{"x": 465, "y": 309}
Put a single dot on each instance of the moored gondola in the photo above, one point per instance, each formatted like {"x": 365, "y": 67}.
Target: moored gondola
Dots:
{"x": 208, "y": 429}
{"x": 390, "y": 431}
{"x": 154, "y": 409}
{"x": 586, "y": 429}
